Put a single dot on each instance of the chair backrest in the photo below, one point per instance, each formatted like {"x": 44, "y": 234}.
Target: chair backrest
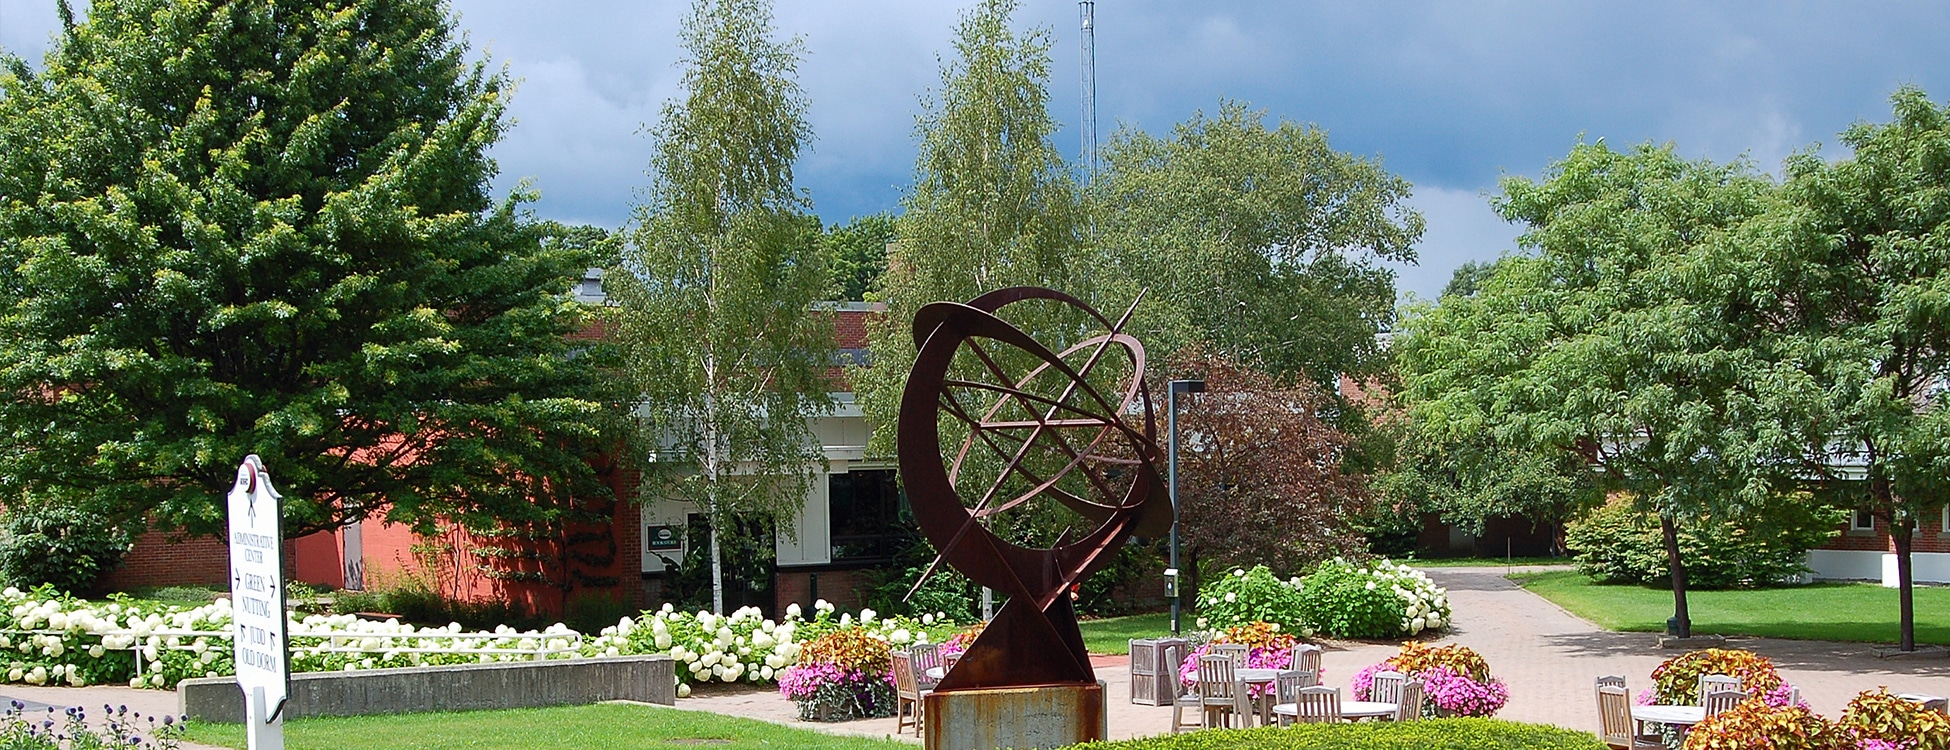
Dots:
{"x": 1409, "y": 708}
{"x": 1613, "y": 680}
{"x": 1286, "y": 683}
{"x": 1217, "y": 676}
{"x": 1317, "y": 704}
{"x": 1722, "y": 700}
{"x": 1387, "y": 687}
{"x": 1173, "y": 655}
{"x": 904, "y": 673}
{"x": 1306, "y": 656}
{"x": 926, "y": 656}
{"x": 1236, "y": 650}
{"x": 1712, "y": 683}
{"x": 1614, "y": 716}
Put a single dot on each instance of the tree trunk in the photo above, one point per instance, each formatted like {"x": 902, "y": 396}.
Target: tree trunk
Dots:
{"x": 711, "y": 479}
{"x": 1902, "y": 535}
{"x": 1683, "y": 622}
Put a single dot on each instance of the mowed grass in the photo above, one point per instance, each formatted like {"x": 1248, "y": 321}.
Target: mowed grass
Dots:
{"x": 585, "y": 727}
{"x": 1862, "y": 612}
{"x": 1484, "y": 562}
{"x": 1112, "y": 635}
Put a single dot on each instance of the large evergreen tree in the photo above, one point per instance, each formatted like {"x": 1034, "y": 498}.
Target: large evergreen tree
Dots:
{"x": 718, "y": 281}
{"x": 237, "y": 227}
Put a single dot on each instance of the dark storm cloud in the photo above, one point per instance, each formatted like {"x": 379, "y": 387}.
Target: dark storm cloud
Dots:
{"x": 1451, "y": 95}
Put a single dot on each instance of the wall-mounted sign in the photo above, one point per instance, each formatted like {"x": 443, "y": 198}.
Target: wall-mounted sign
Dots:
{"x": 663, "y": 539}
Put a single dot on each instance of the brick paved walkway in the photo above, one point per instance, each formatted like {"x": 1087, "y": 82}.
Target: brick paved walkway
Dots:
{"x": 1547, "y": 657}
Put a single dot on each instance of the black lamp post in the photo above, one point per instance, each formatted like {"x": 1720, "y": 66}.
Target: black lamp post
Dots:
{"x": 1171, "y": 473}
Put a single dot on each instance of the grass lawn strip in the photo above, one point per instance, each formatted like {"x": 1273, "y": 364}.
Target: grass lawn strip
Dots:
{"x": 1432, "y": 734}
{"x": 1859, "y": 612}
{"x": 1112, "y": 635}
{"x": 594, "y": 727}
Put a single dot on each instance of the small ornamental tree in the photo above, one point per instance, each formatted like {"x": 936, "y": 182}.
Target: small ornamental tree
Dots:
{"x": 1261, "y": 480}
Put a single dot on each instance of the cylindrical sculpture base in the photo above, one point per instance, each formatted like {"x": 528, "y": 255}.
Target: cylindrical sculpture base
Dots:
{"x": 1030, "y": 718}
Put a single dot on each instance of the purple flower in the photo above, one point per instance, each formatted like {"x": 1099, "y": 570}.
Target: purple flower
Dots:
{"x": 1458, "y": 695}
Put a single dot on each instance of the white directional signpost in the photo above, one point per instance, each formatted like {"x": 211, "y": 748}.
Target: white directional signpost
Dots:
{"x": 257, "y": 604}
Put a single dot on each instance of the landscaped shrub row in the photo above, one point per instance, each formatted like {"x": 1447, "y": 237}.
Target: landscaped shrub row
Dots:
{"x": 1342, "y": 599}
{"x": 1618, "y": 543}
{"x": 1772, "y": 718}
{"x": 148, "y": 644}
{"x": 1432, "y": 734}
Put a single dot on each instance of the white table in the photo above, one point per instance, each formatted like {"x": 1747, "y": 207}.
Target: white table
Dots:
{"x": 1349, "y": 709}
{"x": 936, "y": 673}
{"x": 1255, "y": 676}
{"x": 1679, "y": 716}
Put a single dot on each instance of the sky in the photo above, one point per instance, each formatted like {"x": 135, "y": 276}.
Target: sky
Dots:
{"x": 1451, "y": 95}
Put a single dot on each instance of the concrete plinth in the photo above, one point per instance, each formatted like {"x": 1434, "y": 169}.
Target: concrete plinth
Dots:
{"x": 1030, "y": 718}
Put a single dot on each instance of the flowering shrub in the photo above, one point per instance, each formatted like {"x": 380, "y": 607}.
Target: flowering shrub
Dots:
{"x": 1894, "y": 724}
{"x": 1676, "y": 682}
{"x": 1248, "y": 596}
{"x": 1267, "y": 648}
{"x": 1382, "y": 600}
{"x": 152, "y": 645}
{"x": 957, "y": 644}
{"x": 1754, "y": 725}
{"x": 844, "y": 674}
{"x": 1455, "y": 680}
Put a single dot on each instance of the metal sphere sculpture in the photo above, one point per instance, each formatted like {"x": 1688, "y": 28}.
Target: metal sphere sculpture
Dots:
{"x": 1104, "y": 444}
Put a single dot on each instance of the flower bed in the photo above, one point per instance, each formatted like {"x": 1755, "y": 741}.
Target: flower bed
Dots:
{"x": 844, "y": 674}
{"x": 1676, "y": 682}
{"x": 1248, "y": 596}
{"x": 1455, "y": 680}
{"x": 1267, "y": 648}
{"x": 47, "y": 637}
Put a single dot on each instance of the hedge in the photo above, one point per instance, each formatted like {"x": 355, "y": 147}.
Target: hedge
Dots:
{"x": 1429, "y": 734}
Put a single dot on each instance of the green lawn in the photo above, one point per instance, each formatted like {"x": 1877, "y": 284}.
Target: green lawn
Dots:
{"x": 1862, "y": 612}
{"x": 1112, "y": 635}
{"x": 1483, "y": 562}
{"x": 593, "y": 727}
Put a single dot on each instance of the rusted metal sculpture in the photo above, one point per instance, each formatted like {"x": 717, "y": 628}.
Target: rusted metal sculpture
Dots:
{"x": 1051, "y": 412}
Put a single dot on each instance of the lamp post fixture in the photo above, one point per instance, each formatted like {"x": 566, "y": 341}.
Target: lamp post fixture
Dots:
{"x": 1171, "y": 473}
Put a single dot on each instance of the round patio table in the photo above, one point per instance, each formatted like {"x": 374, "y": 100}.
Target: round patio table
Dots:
{"x": 1678, "y": 716}
{"x": 936, "y": 673}
{"x": 1255, "y": 676}
{"x": 1367, "y": 709}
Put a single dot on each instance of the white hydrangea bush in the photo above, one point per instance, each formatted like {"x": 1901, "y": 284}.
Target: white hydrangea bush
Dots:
{"x": 1372, "y": 599}
{"x": 743, "y": 646}
{"x": 1425, "y": 606}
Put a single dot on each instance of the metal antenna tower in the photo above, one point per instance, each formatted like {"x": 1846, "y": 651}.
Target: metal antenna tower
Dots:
{"x": 1088, "y": 10}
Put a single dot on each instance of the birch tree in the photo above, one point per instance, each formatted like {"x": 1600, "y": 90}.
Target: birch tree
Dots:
{"x": 719, "y": 277}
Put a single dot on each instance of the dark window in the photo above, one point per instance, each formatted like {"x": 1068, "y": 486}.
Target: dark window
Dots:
{"x": 869, "y": 516}
{"x": 1863, "y": 521}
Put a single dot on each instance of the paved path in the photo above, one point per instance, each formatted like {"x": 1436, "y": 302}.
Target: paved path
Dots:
{"x": 1546, "y": 656}
{"x": 94, "y": 699}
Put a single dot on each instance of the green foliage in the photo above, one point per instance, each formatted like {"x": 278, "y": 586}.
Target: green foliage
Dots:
{"x": 58, "y": 545}
{"x": 265, "y": 228}
{"x": 1243, "y": 596}
{"x": 992, "y": 204}
{"x": 1260, "y": 240}
{"x": 1136, "y": 569}
{"x": 1430, "y": 734}
{"x": 1376, "y": 600}
{"x": 1676, "y": 681}
{"x": 858, "y": 253}
{"x": 947, "y": 592}
{"x": 1881, "y": 716}
{"x": 601, "y": 725}
{"x": 1618, "y": 543}
{"x": 717, "y": 281}
{"x": 1756, "y": 724}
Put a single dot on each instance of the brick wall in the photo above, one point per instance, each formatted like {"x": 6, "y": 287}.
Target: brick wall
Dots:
{"x": 1930, "y": 536}
{"x": 159, "y": 559}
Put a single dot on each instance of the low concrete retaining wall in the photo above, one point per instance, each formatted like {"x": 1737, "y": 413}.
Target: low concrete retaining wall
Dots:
{"x": 461, "y": 687}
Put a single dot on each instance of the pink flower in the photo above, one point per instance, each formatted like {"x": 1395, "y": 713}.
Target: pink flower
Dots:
{"x": 1458, "y": 695}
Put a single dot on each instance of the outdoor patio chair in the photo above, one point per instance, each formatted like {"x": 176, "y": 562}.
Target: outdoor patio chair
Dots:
{"x": 1387, "y": 687}
{"x": 1221, "y": 695}
{"x": 1709, "y": 683}
{"x": 1318, "y": 704}
{"x": 1409, "y": 708}
{"x": 1286, "y": 685}
{"x": 1722, "y": 700}
{"x": 908, "y": 694}
{"x": 1236, "y": 650}
{"x": 1306, "y": 657}
{"x": 1184, "y": 696}
{"x": 1935, "y": 703}
{"x": 1615, "y": 723}
{"x": 1617, "y": 681}
{"x": 925, "y": 656}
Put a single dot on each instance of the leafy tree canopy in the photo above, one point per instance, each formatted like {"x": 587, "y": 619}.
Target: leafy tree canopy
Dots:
{"x": 232, "y": 227}
{"x": 858, "y": 253}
